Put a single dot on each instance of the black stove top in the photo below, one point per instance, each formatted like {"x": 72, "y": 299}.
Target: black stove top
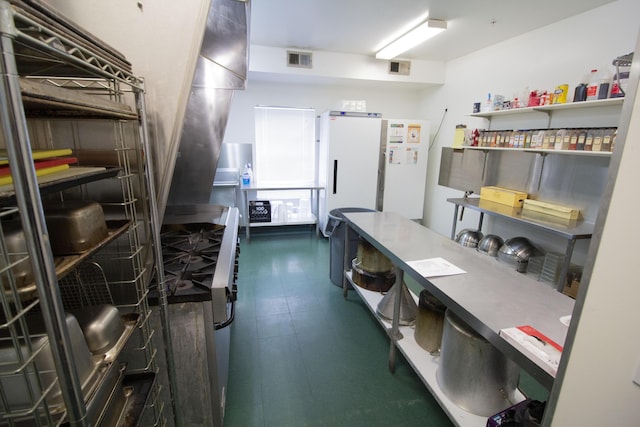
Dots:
{"x": 190, "y": 253}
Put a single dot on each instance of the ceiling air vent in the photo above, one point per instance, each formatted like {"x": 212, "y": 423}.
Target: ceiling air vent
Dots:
{"x": 299, "y": 59}
{"x": 400, "y": 67}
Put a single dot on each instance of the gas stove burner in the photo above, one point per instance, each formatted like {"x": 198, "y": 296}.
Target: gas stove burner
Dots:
{"x": 191, "y": 260}
{"x": 187, "y": 282}
{"x": 189, "y": 263}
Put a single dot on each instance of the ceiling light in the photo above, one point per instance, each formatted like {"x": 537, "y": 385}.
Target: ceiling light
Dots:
{"x": 419, "y": 34}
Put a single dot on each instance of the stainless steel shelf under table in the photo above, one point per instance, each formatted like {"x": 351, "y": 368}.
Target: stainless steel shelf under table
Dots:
{"x": 490, "y": 296}
{"x": 313, "y": 189}
{"x": 571, "y": 231}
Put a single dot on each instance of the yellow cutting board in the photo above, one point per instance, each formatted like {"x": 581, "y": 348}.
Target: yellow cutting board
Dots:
{"x": 38, "y": 154}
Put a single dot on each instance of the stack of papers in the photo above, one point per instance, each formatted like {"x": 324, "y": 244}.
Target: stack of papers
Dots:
{"x": 435, "y": 267}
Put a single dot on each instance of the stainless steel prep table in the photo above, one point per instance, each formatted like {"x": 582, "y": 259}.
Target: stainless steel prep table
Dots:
{"x": 490, "y": 296}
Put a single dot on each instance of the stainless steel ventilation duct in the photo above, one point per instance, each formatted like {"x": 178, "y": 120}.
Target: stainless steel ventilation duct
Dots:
{"x": 221, "y": 68}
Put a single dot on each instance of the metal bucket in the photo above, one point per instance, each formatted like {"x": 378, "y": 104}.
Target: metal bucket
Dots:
{"x": 429, "y": 322}
{"x": 472, "y": 373}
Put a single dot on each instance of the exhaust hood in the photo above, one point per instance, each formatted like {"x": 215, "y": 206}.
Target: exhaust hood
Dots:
{"x": 221, "y": 69}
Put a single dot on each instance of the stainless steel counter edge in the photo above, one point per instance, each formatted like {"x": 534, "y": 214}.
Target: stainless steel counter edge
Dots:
{"x": 490, "y": 296}
{"x": 223, "y": 275}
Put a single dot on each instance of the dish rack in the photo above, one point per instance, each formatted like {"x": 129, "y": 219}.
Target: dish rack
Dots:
{"x": 66, "y": 89}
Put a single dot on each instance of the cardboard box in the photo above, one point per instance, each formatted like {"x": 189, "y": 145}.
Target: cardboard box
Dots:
{"x": 503, "y": 196}
{"x": 543, "y": 351}
{"x": 553, "y": 209}
{"x": 498, "y": 208}
{"x": 571, "y": 288}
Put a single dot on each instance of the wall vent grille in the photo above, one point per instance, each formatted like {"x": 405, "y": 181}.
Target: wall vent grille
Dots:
{"x": 299, "y": 59}
{"x": 400, "y": 67}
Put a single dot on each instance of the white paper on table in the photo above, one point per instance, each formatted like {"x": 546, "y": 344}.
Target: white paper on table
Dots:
{"x": 434, "y": 267}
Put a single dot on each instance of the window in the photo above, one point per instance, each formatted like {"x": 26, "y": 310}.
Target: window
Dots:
{"x": 285, "y": 146}
{"x": 285, "y": 155}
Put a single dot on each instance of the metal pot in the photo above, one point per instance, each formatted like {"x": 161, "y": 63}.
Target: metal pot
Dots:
{"x": 378, "y": 282}
{"x": 429, "y": 322}
{"x": 371, "y": 259}
{"x": 472, "y": 373}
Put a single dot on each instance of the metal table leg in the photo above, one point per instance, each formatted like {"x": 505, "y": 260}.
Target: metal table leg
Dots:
{"x": 245, "y": 200}
{"x": 455, "y": 220}
{"x": 565, "y": 266}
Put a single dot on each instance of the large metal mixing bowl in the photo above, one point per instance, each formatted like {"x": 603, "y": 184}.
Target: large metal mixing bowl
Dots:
{"x": 469, "y": 237}
{"x": 517, "y": 251}
{"x": 490, "y": 244}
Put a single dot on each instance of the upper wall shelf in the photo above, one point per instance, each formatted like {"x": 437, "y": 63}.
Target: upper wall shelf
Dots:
{"x": 542, "y": 151}
{"x": 548, "y": 109}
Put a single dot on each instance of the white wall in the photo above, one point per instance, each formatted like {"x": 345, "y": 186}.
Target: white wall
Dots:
{"x": 396, "y": 103}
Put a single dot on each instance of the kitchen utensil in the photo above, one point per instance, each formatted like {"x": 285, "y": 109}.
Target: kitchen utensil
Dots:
{"x": 429, "y": 322}
{"x": 101, "y": 325}
{"x": 516, "y": 251}
{"x": 379, "y": 282}
{"x": 469, "y": 237}
{"x": 490, "y": 244}
{"x": 371, "y": 259}
{"x": 16, "y": 248}
{"x": 74, "y": 225}
{"x": 472, "y": 373}
{"x": 22, "y": 394}
{"x": 408, "y": 307}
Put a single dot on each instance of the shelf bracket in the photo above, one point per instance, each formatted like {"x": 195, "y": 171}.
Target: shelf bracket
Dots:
{"x": 484, "y": 164}
{"x": 543, "y": 156}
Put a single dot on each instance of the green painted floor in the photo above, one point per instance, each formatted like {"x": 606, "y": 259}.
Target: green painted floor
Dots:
{"x": 302, "y": 355}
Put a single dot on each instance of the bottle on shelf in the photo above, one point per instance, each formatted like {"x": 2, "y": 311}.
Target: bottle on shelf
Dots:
{"x": 247, "y": 174}
{"x": 598, "y": 87}
{"x": 620, "y": 82}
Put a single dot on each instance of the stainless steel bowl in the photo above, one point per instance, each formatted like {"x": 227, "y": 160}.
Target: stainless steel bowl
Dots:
{"x": 490, "y": 244}
{"x": 469, "y": 237}
{"x": 517, "y": 251}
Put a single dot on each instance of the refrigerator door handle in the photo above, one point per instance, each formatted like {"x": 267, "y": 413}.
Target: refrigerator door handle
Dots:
{"x": 335, "y": 176}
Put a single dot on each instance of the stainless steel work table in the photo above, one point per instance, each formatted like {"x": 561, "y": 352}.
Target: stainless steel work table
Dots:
{"x": 490, "y": 296}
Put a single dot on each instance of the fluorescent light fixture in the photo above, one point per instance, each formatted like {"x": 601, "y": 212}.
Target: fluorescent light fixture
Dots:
{"x": 419, "y": 34}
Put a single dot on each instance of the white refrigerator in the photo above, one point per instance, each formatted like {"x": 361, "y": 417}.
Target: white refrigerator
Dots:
{"x": 367, "y": 162}
{"x": 348, "y": 161}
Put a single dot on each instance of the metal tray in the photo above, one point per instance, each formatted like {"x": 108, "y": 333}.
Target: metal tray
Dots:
{"x": 65, "y": 264}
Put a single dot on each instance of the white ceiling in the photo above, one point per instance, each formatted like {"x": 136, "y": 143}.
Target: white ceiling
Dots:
{"x": 363, "y": 26}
